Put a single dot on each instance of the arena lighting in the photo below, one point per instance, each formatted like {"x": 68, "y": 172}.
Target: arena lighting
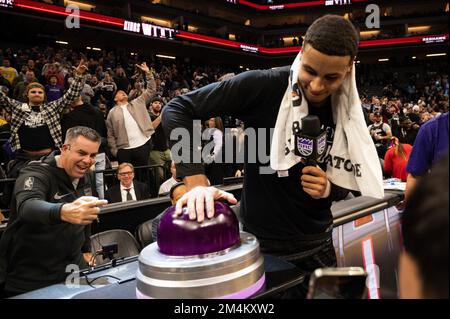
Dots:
{"x": 282, "y": 6}
{"x": 413, "y": 57}
{"x": 383, "y": 60}
{"x": 406, "y": 40}
{"x": 89, "y": 48}
{"x": 159, "y": 22}
{"x": 364, "y": 34}
{"x": 207, "y": 39}
{"x": 96, "y": 49}
{"x": 423, "y": 28}
{"x": 43, "y": 7}
{"x": 62, "y": 42}
{"x": 436, "y": 54}
{"x": 166, "y": 56}
{"x": 84, "y": 15}
{"x": 81, "y": 5}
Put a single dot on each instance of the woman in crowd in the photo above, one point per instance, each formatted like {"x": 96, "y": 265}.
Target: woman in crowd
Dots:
{"x": 396, "y": 159}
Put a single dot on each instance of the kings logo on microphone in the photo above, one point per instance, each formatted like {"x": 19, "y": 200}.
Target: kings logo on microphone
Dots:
{"x": 305, "y": 146}
{"x": 322, "y": 143}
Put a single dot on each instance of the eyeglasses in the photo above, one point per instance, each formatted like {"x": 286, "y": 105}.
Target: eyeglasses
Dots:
{"x": 126, "y": 173}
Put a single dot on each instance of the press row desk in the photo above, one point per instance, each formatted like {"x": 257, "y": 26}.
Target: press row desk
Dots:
{"x": 280, "y": 275}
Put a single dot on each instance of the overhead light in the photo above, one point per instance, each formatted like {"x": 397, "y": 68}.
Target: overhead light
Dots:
{"x": 436, "y": 54}
{"x": 89, "y": 48}
{"x": 383, "y": 60}
{"x": 241, "y": 67}
{"x": 247, "y": 69}
{"x": 166, "y": 56}
{"x": 232, "y": 37}
{"x": 358, "y": 61}
{"x": 62, "y": 42}
{"x": 191, "y": 28}
{"x": 81, "y": 5}
{"x": 96, "y": 49}
{"x": 364, "y": 34}
{"x": 413, "y": 57}
{"x": 423, "y": 28}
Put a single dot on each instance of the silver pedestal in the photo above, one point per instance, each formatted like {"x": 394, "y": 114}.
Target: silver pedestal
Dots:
{"x": 237, "y": 272}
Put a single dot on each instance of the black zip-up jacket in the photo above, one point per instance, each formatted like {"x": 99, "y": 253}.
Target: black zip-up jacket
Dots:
{"x": 37, "y": 246}
{"x": 273, "y": 208}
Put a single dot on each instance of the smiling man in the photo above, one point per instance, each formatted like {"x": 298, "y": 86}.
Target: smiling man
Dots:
{"x": 128, "y": 188}
{"x": 38, "y": 118}
{"x": 51, "y": 212}
{"x": 288, "y": 210}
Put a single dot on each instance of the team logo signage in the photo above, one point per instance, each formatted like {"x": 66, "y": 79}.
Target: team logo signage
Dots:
{"x": 322, "y": 143}
{"x": 7, "y": 3}
{"x": 435, "y": 39}
{"x": 337, "y": 2}
{"x": 305, "y": 146}
{"x": 249, "y": 48}
{"x": 150, "y": 30}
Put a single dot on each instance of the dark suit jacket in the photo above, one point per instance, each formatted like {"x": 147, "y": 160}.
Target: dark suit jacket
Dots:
{"x": 113, "y": 194}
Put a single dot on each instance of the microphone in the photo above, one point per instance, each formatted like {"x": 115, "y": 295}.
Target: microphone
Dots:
{"x": 310, "y": 142}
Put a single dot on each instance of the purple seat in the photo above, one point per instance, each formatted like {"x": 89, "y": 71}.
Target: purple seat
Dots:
{"x": 180, "y": 236}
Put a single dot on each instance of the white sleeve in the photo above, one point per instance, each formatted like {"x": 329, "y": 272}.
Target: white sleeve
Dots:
{"x": 217, "y": 136}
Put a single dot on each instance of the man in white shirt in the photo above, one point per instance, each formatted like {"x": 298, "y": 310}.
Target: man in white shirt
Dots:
{"x": 128, "y": 189}
{"x": 165, "y": 187}
{"x": 129, "y": 125}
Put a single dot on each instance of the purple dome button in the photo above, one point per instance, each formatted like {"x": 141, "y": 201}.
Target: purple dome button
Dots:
{"x": 180, "y": 236}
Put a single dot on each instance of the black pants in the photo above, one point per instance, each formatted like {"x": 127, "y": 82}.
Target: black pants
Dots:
{"x": 307, "y": 256}
{"x": 138, "y": 157}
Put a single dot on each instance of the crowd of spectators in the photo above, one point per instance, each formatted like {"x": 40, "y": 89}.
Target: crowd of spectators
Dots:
{"x": 107, "y": 74}
{"x": 394, "y": 116}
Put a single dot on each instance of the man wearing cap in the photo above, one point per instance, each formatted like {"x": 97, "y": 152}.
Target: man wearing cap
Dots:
{"x": 37, "y": 119}
{"x": 381, "y": 134}
{"x": 160, "y": 153}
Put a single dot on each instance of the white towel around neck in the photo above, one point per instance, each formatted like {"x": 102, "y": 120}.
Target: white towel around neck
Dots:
{"x": 351, "y": 141}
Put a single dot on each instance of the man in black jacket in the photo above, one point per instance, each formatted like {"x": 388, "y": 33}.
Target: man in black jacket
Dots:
{"x": 128, "y": 189}
{"x": 51, "y": 212}
{"x": 291, "y": 214}
{"x": 407, "y": 133}
{"x": 160, "y": 153}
